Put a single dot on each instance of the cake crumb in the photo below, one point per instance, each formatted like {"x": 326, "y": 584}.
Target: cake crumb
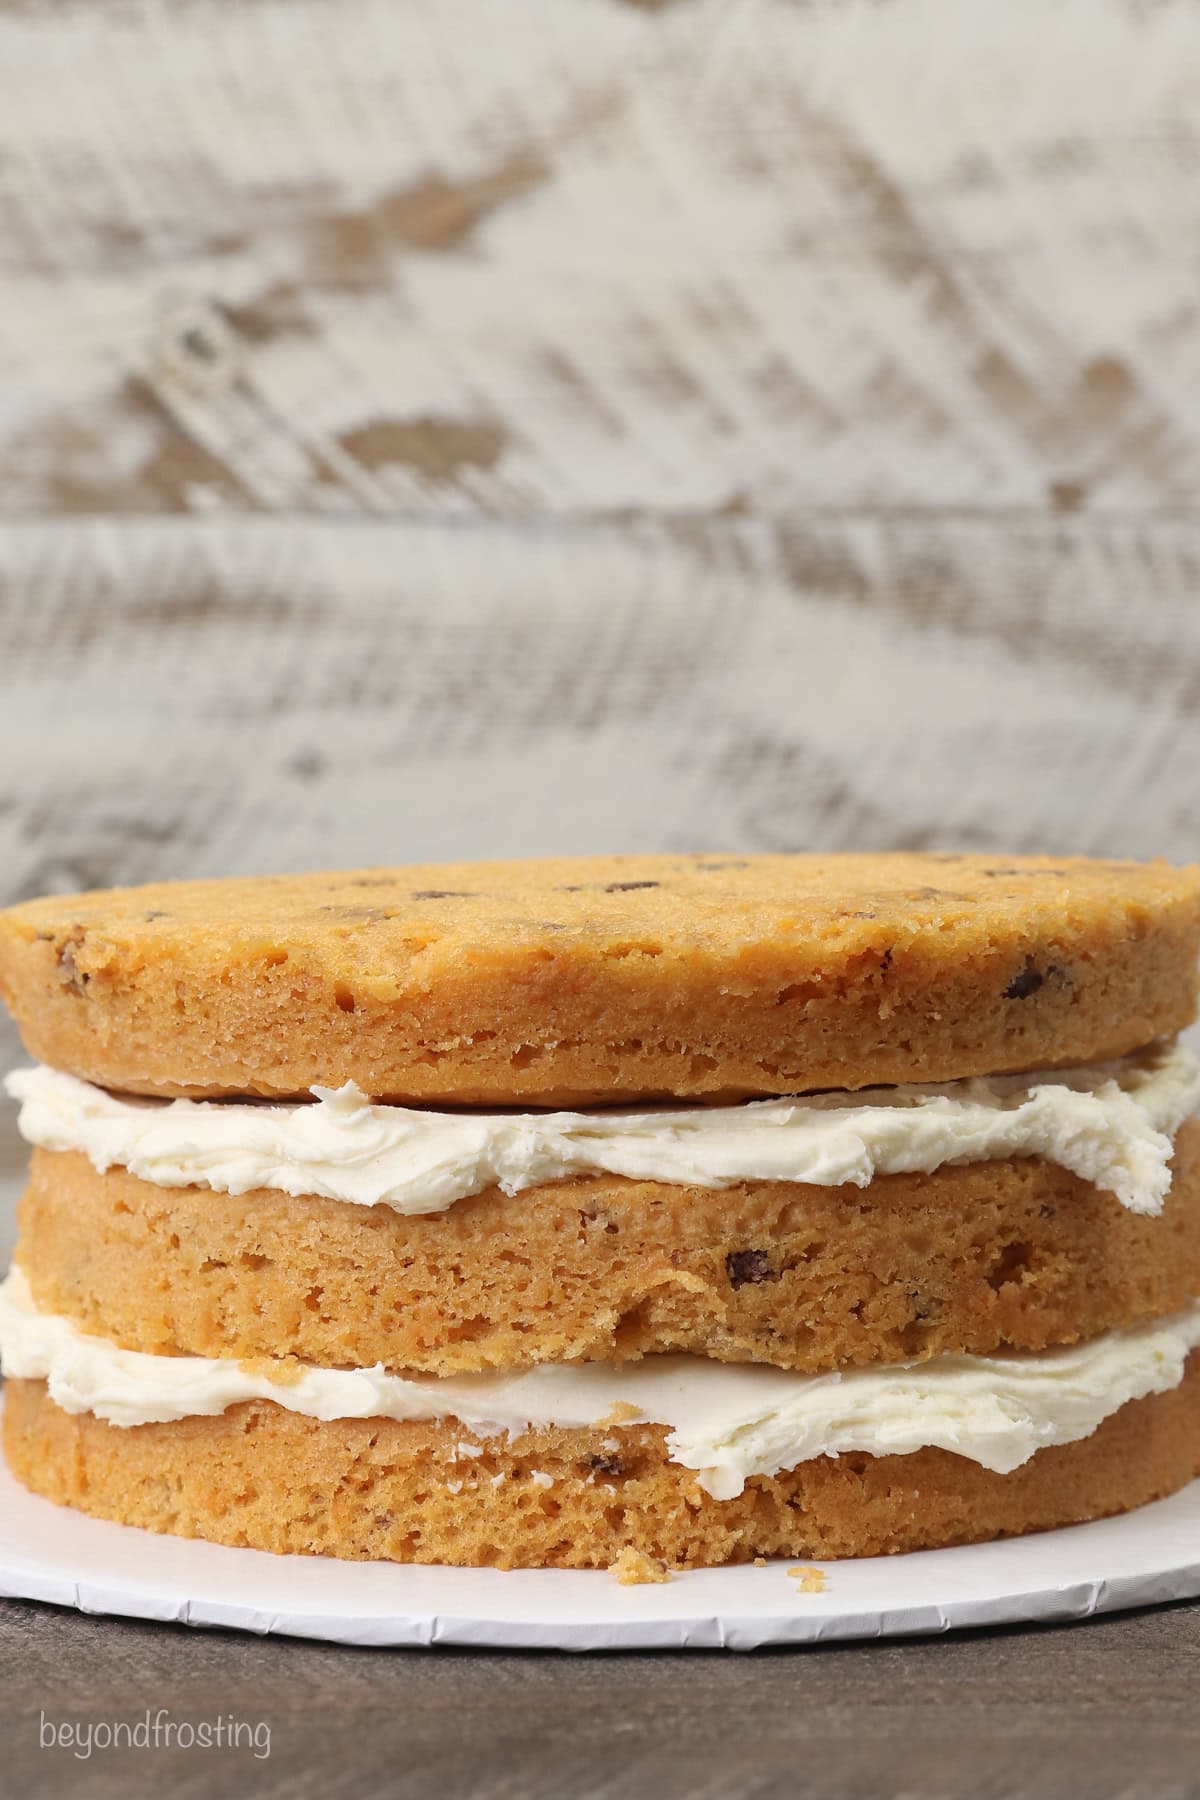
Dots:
{"x": 760, "y": 1562}
{"x": 281, "y": 1371}
{"x": 634, "y": 1569}
{"x": 620, "y": 1414}
{"x": 808, "y": 1579}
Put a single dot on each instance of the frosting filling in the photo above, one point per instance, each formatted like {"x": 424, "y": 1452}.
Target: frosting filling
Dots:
{"x": 726, "y": 1421}
{"x": 1112, "y": 1124}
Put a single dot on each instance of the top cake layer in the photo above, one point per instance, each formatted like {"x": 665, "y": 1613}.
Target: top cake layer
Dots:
{"x": 594, "y": 979}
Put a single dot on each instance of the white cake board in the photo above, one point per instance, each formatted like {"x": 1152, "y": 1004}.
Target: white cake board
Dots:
{"x": 53, "y": 1554}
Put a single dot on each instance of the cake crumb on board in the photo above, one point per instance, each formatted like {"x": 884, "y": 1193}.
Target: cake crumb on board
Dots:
{"x": 634, "y": 1569}
{"x": 809, "y": 1580}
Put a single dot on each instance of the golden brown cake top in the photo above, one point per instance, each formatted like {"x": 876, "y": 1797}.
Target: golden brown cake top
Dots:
{"x": 606, "y": 977}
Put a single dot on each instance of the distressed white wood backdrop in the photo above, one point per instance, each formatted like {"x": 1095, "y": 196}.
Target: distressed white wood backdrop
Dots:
{"x": 436, "y": 429}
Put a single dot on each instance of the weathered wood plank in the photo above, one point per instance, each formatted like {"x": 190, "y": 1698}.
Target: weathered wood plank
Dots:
{"x": 581, "y": 256}
{"x": 183, "y": 697}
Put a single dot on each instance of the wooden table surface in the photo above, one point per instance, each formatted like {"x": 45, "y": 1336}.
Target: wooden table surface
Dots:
{"x": 1106, "y": 1710}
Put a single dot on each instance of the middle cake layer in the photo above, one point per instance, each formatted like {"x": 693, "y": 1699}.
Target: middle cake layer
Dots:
{"x": 1015, "y": 1254}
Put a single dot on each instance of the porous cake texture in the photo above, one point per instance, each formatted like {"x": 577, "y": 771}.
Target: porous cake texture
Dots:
{"x": 604, "y": 978}
{"x": 1018, "y": 1254}
{"x": 261, "y": 1476}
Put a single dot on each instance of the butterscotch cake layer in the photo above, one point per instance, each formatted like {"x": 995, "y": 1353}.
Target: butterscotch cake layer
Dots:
{"x": 585, "y": 980}
{"x": 1016, "y": 1254}
{"x": 262, "y": 1477}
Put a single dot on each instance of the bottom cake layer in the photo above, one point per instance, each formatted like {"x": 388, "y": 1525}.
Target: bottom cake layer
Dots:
{"x": 408, "y": 1491}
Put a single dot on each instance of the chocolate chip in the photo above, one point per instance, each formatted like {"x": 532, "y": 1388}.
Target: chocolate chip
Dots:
{"x": 885, "y": 961}
{"x": 606, "y": 1465}
{"x": 1027, "y": 982}
{"x": 442, "y": 894}
{"x": 1044, "y": 871}
{"x": 924, "y": 1306}
{"x": 605, "y": 887}
{"x": 750, "y": 1266}
{"x": 370, "y": 881}
{"x": 155, "y": 915}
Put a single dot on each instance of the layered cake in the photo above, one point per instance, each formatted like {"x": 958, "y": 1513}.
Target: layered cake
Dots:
{"x": 689, "y": 1208}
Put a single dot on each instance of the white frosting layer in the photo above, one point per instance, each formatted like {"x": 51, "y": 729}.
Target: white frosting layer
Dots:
{"x": 727, "y": 1421}
{"x": 1111, "y": 1124}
